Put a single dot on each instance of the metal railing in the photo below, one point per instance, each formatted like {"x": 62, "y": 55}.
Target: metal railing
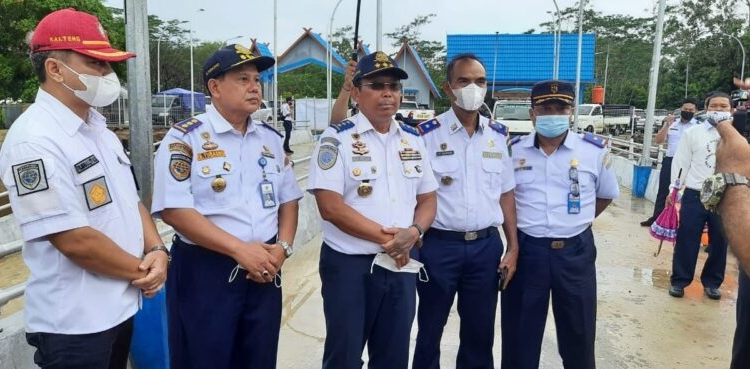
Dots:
{"x": 15, "y": 291}
{"x": 6, "y": 206}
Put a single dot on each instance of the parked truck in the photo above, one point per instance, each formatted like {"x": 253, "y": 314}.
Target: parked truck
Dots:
{"x": 611, "y": 119}
{"x": 515, "y": 114}
{"x": 171, "y": 106}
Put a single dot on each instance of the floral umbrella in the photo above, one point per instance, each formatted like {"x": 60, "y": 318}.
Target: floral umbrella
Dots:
{"x": 665, "y": 226}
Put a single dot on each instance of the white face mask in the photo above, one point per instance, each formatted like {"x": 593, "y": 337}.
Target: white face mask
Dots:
{"x": 100, "y": 90}
{"x": 470, "y": 97}
{"x": 414, "y": 266}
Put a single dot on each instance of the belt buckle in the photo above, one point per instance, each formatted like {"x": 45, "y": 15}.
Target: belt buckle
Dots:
{"x": 470, "y": 236}
{"x": 556, "y": 245}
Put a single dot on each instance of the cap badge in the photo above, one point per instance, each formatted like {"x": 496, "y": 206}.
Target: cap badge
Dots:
{"x": 381, "y": 60}
{"x": 243, "y": 52}
{"x": 554, "y": 88}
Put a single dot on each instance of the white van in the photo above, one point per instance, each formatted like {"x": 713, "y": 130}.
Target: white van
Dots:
{"x": 590, "y": 118}
{"x": 514, "y": 114}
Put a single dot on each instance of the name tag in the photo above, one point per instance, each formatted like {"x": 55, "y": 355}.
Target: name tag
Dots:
{"x": 492, "y": 155}
{"x": 445, "y": 153}
{"x": 211, "y": 154}
{"x": 361, "y": 158}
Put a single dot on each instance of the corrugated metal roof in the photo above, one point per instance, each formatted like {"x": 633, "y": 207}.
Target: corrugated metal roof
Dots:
{"x": 264, "y": 49}
{"x": 525, "y": 59}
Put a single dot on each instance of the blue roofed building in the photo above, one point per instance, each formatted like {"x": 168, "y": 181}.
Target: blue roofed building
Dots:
{"x": 309, "y": 48}
{"x": 419, "y": 86}
{"x": 516, "y": 62}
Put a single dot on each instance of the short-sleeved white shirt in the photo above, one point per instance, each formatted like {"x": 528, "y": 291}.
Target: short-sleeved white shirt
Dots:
{"x": 395, "y": 165}
{"x": 472, "y": 173}
{"x": 63, "y": 173}
{"x": 543, "y": 183}
{"x": 188, "y": 167}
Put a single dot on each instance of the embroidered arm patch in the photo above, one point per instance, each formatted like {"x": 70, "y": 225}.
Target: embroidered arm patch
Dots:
{"x": 30, "y": 177}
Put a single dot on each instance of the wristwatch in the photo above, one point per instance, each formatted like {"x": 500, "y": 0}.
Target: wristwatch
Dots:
{"x": 419, "y": 229}
{"x": 160, "y": 248}
{"x": 288, "y": 249}
{"x": 714, "y": 186}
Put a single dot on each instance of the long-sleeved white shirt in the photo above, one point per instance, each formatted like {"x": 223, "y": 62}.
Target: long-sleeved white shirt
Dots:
{"x": 696, "y": 156}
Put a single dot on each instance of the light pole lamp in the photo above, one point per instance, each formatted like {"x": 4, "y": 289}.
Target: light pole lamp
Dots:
{"x": 192, "y": 72}
{"x": 742, "y": 69}
{"x": 229, "y": 39}
{"x": 329, "y": 58}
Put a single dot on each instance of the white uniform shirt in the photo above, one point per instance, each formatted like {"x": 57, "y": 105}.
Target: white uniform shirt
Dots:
{"x": 676, "y": 129}
{"x": 286, "y": 112}
{"x": 472, "y": 173}
{"x": 62, "y": 174}
{"x": 543, "y": 183}
{"x": 696, "y": 156}
{"x": 215, "y": 152}
{"x": 396, "y": 166}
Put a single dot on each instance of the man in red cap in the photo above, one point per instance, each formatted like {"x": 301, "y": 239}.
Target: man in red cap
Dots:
{"x": 91, "y": 246}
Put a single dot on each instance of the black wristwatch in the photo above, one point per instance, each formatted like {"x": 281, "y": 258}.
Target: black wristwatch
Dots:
{"x": 715, "y": 185}
{"x": 419, "y": 229}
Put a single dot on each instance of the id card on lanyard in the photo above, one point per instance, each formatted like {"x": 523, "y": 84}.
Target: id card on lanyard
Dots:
{"x": 267, "y": 193}
{"x": 574, "y": 195}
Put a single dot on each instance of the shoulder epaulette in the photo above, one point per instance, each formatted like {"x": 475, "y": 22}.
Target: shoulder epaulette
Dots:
{"x": 187, "y": 125}
{"x": 343, "y": 125}
{"x": 409, "y": 129}
{"x": 594, "y": 139}
{"x": 264, "y": 124}
{"x": 428, "y": 126}
{"x": 515, "y": 140}
{"x": 499, "y": 128}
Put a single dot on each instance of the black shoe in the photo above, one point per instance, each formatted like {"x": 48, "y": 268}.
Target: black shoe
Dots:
{"x": 647, "y": 223}
{"x": 712, "y": 293}
{"x": 290, "y": 152}
{"x": 675, "y": 291}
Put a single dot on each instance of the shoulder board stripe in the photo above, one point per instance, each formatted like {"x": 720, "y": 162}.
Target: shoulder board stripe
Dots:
{"x": 515, "y": 140}
{"x": 594, "y": 139}
{"x": 409, "y": 129}
{"x": 428, "y": 126}
{"x": 187, "y": 125}
{"x": 264, "y": 124}
{"x": 499, "y": 128}
{"x": 343, "y": 125}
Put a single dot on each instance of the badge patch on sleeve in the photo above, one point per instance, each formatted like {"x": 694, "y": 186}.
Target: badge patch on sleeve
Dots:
{"x": 87, "y": 163}
{"x": 97, "y": 193}
{"x": 327, "y": 156}
{"x": 30, "y": 177}
{"x": 179, "y": 166}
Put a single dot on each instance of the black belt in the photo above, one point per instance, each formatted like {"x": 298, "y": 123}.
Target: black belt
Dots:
{"x": 555, "y": 243}
{"x": 462, "y": 236}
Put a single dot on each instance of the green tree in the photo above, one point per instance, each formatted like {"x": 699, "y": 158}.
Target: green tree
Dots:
{"x": 17, "y": 18}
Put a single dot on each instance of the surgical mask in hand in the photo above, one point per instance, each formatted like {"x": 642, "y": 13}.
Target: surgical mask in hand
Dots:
{"x": 233, "y": 275}
{"x": 470, "y": 97}
{"x": 714, "y": 117}
{"x": 100, "y": 90}
{"x": 551, "y": 125}
{"x": 386, "y": 262}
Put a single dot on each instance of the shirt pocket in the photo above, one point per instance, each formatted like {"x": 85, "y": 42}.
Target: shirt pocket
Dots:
{"x": 216, "y": 184}
{"x": 445, "y": 169}
{"x": 365, "y": 177}
{"x": 94, "y": 187}
{"x": 493, "y": 170}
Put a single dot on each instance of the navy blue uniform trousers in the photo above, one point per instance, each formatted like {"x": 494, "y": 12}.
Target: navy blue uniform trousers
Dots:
{"x": 569, "y": 273}
{"x": 365, "y": 304}
{"x": 469, "y": 269}
{"x": 214, "y": 323}
{"x": 693, "y": 215}
{"x": 664, "y": 182}
{"x": 741, "y": 347}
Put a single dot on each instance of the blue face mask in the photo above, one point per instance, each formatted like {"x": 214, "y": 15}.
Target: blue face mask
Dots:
{"x": 551, "y": 125}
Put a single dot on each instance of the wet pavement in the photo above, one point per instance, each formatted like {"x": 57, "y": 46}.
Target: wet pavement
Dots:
{"x": 639, "y": 325}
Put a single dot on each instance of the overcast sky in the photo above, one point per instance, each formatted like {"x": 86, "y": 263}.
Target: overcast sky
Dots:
{"x": 225, "y": 19}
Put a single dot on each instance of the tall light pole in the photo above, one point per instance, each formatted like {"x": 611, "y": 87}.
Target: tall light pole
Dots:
{"x": 606, "y": 70}
{"x": 578, "y": 63}
{"x": 329, "y": 58}
{"x": 742, "y": 73}
{"x": 494, "y": 66}
{"x": 653, "y": 82}
{"x": 192, "y": 72}
{"x": 158, "y": 64}
{"x": 558, "y": 39}
{"x": 379, "y": 27}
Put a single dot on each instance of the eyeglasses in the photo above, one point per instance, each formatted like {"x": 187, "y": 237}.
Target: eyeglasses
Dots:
{"x": 379, "y": 86}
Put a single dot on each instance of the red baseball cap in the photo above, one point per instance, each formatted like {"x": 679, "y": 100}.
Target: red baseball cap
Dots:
{"x": 69, "y": 29}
